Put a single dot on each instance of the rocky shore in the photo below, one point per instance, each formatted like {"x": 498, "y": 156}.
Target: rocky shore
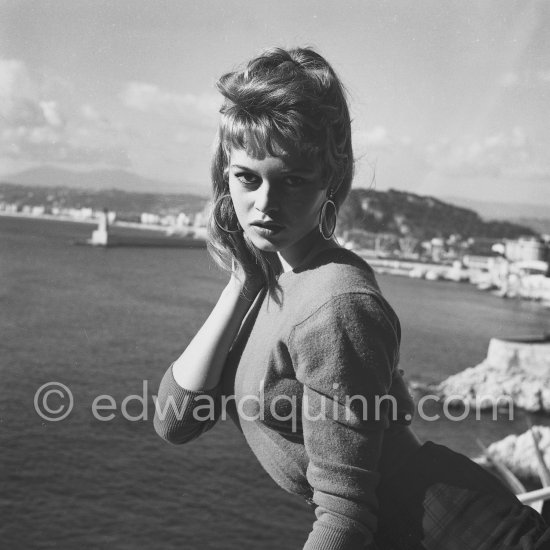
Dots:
{"x": 514, "y": 373}
{"x": 518, "y": 454}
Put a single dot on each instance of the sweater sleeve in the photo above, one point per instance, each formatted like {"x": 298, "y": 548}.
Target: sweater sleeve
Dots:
{"x": 182, "y": 415}
{"x": 344, "y": 355}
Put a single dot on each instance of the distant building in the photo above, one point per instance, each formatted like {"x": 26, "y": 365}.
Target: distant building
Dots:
{"x": 381, "y": 243}
{"x": 169, "y": 220}
{"x": 482, "y": 246}
{"x": 480, "y": 262}
{"x": 38, "y": 210}
{"x": 526, "y": 249}
{"x": 183, "y": 220}
{"x": 435, "y": 249}
{"x": 201, "y": 219}
{"x": 148, "y": 218}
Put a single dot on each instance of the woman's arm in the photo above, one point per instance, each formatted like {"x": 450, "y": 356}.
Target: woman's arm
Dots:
{"x": 186, "y": 405}
{"x": 344, "y": 355}
{"x": 200, "y": 366}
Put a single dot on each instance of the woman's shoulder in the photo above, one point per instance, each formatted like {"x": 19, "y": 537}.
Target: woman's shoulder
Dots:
{"x": 337, "y": 276}
{"x": 336, "y": 270}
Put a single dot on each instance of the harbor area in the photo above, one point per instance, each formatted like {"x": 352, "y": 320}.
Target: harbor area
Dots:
{"x": 508, "y": 268}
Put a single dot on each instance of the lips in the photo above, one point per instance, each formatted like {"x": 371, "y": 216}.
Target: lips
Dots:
{"x": 272, "y": 226}
{"x": 266, "y": 229}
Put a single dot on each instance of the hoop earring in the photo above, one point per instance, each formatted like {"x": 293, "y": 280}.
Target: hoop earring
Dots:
{"x": 215, "y": 210}
{"x": 328, "y": 202}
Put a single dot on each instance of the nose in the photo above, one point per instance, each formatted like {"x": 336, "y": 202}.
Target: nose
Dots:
{"x": 265, "y": 199}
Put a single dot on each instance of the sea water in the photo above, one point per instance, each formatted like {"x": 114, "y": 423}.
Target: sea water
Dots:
{"x": 107, "y": 323}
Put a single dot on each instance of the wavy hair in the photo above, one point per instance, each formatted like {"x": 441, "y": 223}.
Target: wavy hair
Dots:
{"x": 282, "y": 101}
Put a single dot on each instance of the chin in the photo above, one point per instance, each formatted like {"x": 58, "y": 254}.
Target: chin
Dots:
{"x": 265, "y": 246}
{"x": 261, "y": 244}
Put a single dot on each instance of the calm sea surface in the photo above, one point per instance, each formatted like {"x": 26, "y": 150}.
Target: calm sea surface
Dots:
{"x": 110, "y": 322}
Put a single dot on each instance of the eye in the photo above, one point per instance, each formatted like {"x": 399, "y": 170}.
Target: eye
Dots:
{"x": 295, "y": 181}
{"x": 247, "y": 178}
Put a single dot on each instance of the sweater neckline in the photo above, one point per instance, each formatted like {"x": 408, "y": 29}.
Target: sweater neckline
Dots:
{"x": 314, "y": 260}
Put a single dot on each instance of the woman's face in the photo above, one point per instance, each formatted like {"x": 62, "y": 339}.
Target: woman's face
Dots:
{"x": 277, "y": 201}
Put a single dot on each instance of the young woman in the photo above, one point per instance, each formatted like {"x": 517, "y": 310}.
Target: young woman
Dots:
{"x": 301, "y": 349}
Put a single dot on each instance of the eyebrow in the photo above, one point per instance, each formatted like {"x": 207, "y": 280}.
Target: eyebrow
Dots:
{"x": 294, "y": 171}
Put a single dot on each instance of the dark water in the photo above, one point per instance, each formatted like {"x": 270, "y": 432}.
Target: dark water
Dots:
{"x": 110, "y": 322}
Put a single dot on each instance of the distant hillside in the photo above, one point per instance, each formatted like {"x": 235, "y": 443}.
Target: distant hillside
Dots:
{"x": 113, "y": 199}
{"x": 421, "y": 217}
{"x": 50, "y": 176}
{"x": 540, "y": 225}
{"x": 502, "y": 210}
{"x": 397, "y": 212}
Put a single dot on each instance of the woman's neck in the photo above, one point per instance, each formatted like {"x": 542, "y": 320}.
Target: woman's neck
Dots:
{"x": 307, "y": 248}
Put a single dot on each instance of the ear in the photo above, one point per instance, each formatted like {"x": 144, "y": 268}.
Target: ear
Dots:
{"x": 324, "y": 185}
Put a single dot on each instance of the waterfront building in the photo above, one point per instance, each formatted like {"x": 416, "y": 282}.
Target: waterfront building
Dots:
{"x": 148, "y": 218}
{"x": 526, "y": 249}
{"x": 183, "y": 220}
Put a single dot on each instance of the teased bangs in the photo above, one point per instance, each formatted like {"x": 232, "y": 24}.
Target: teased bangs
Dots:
{"x": 262, "y": 136}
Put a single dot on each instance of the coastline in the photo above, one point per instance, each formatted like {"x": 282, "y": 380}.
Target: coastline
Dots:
{"x": 89, "y": 221}
{"x": 48, "y": 217}
{"x": 520, "y": 285}
{"x": 502, "y": 278}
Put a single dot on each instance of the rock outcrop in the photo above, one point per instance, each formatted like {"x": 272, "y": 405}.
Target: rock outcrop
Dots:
{"x": 517, "y": 452}
{"x": 514, "y": 373}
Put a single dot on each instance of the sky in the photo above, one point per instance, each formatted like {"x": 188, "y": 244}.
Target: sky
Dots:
{"x": 448, "y": 98}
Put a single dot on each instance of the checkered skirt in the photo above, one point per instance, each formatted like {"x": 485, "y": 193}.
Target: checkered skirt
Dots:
{"x": 441, "y": 500}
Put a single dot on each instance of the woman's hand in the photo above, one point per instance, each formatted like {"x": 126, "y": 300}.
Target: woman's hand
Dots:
{"x": 247, "y": 284}
{"x": 200, "y": 366}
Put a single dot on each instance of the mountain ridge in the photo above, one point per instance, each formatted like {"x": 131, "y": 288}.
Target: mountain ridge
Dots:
{"x": 421, "y": 217}
{"x": 52, "y": 176}
{"x": 501, "y": 210}
{"x": 400, "y": 212}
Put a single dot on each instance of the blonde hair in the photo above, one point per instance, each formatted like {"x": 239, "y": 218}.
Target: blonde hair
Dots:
{"x": 283, "y": 101}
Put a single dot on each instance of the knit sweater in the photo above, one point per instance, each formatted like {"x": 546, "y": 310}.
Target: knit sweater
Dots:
{"x": 316, "y": 390}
